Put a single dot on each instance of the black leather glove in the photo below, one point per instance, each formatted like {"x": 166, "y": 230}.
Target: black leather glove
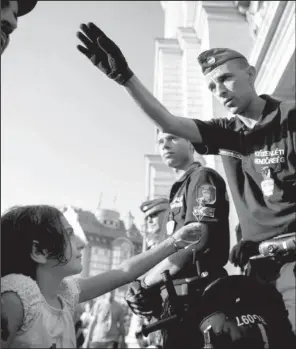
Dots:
{"x": 242, "y": 251}
{"x": 103, "y": 53}
{"x": 144, "y": 301}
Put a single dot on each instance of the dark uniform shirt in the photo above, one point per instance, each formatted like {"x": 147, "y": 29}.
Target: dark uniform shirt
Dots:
{"x": 200, "y": 196}
{"x": 260, "y": 166}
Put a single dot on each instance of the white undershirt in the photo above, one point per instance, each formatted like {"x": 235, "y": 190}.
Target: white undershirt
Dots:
{"x": 250, "y": 123}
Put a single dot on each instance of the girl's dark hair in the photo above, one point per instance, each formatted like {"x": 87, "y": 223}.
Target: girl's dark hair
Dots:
{"x": 20, "y": 226}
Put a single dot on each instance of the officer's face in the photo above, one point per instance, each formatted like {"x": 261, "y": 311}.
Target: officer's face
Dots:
{"x": 8, "y": 21}
{"x": 176, "y": 152}
{"x": 153, "y": 224}
{"x": 232, "y": 83}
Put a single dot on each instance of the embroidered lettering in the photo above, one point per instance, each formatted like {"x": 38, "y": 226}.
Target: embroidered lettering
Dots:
{"x": 266, "y": 157}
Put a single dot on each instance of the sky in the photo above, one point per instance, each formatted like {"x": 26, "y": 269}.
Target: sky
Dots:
{"x": 69, "y": 133}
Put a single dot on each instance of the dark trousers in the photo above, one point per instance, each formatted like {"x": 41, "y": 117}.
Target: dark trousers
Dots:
{"x": 283, "y": 277}
{"x": 285, "y": 283}
{"x": 185, "y": 334}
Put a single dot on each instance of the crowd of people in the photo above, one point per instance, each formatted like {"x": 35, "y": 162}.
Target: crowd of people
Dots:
{"x": 41, "y": 256}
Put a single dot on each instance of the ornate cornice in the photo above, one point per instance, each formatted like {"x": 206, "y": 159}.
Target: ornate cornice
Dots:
{"x": 167, "y": 45}
{"x": 221, "y": 10}
{"x": 187, "y": 37}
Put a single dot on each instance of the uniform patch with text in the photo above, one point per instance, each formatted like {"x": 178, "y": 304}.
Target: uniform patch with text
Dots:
{"x": 269, "y": 157}
{"x": 202, "y": 211}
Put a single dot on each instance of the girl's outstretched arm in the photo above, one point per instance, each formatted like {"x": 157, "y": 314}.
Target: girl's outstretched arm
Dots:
{"x": 129, "y": 270}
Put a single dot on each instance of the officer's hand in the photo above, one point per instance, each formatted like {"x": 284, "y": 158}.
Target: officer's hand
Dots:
{"x": 242, "y": 251}
{"x": 190, "y": 235}
{"x": 144, "y": 301}
{"x": 103, "y": 53}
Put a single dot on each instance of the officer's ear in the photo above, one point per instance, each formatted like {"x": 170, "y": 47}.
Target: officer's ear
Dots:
{"x": 252, "y": 74}
{"x": 191, "y": 148}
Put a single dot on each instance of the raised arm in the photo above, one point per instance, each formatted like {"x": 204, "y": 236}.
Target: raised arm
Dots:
{"x": 163, "y": 119}
{"x": 106, "y": 56}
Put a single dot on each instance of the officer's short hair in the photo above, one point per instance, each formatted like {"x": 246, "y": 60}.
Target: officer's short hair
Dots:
{"x": 191, "y": 146}
{"x": 241, "y": 63}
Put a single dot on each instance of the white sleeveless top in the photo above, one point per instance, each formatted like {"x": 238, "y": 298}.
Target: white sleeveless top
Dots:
{"x": 44, "y": 326}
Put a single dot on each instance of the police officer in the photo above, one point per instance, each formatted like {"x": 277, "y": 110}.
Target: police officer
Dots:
{"x": 257, "y": 144}
{"x": 198, "y": 195}
{"x": 10, "y": 11}
{"x": 154, "y": 213}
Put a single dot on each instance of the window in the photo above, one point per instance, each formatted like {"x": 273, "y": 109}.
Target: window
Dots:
{"x": 120, "y": 252}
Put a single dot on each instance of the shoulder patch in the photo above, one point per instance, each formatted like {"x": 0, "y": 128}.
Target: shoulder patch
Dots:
{"x": 206, "y": 194}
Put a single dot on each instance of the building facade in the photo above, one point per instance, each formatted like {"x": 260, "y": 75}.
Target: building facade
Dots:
{"x": 109, "y": 240}
{"x": 264, "y": 31}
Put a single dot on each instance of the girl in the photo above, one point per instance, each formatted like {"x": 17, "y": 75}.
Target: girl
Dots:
{"x": 39, "y": 256}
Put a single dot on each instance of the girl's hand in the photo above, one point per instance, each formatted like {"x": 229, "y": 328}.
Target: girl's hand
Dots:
{"x": 190, "y": 235}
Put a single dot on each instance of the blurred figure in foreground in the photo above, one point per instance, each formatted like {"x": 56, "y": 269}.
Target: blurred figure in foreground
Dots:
{"x": 107, "y": 327}
{"x": 79, "y": 326}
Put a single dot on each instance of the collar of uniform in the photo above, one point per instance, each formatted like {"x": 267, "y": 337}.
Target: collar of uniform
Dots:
{"x": 188, "y": 172}
{"x": 269, "y": 112}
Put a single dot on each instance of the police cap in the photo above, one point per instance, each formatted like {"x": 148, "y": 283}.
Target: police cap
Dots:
{"x": 152, "y": 207}
{"x": 211, "y": 59}
{"x": 25, "y": 6}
